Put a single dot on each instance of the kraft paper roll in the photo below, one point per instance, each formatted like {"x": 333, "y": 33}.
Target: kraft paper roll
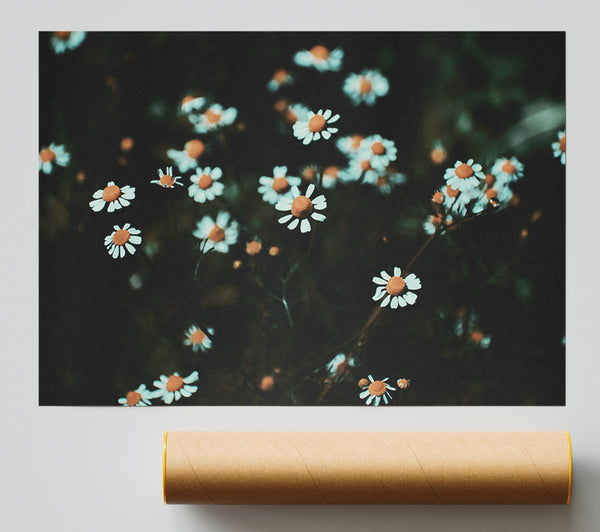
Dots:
{"x": 367, "y": 468}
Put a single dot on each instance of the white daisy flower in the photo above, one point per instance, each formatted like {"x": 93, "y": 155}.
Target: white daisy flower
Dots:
{"x": 386, "y": 181}
{"x": 116, "y": 197}
{"x": 278, "y": 186}
{"x": 191, "y": 103}
{"x": 339, "y": 366}
{"x": 497, "y": 195}
{"x": 295, "y": 112}
{"x": 198, "y": 339}
{"x": 302, "y": 209}
{"x": 187, "y": 158}
{"x": 438, "y": 153}
{"x": 381, "y": 152}
{"x": 174, "y": 387}
{"x": 320, "y": 57}
{"x": 280, "y": 77}
{"x": 434, "y": 222}
{"x": 376, "y": 390}
{"x": 316, "y": 126}
{"x": 139, "y": 397}
{"x": 456, "y": 201}
{"x": 396, "y": 289}
{"x": 507, "y": 170}
{"x": 217, "y": 235}
{"x": 330, "y": 176}
{"x": 166, "y": 179}
{"x": 464, "y": 176}
{"x": 366, "y": 87}
{"x": 560, "y": 147}
{"x": 51, "y": 155}
{"x": 213, "y": 118}
{"x": 206, "y": 185}
{"x": 122, "y": 239}
{"x": 359, "y": 167}
{"x": 403, "y": 384}
{"x": 349, "y": 145}
{"x": 66, "y": 40}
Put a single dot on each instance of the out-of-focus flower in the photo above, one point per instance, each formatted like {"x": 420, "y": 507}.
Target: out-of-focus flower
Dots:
{"x": 507, "y": 170}
{"x": 205, "y": 184}
{"x": 455, "y": 201}
{"x": 198, "y": 339}
{"x": 217, "y": 235}
{"x": 349, "y": 145}
{"x": 329, "y": 176}
{"x": 166, "y": 179}
{"x": 295, "y": 112}
{"x": 316, "y": 126}
{"x": 213, "y": 118}
{"x": 122, "y": 239}
{"x": 301, "y": 209}
{"x": 191, "y": 103}
{"x": 267, "y": 383}
{"x": 278, "y": 186}
{"x": 280, "y": 77}
{"x": 438, "y": 153}
{"x": 51, "y": 155}
{"x": 116, "y": 197}
{"x": 366, "y": 87}
{"x": 320, "y": 57}
{"x": 464, "y": 176}
{"x": 403, "y": 384}
{"x": 497, "y": 195}
{"x": 381, "y": 152}
{"x": 433, "y": 223}
{"x": 253, "y": 247}
{"x": 359, "y": 167}
{"x": 139, "y": 397}
{"x": 187, "y": 158}
{"x": 273, "y": 251}
{"x": 174, "y": 387}
{"x": 66, "y": 40}
{"x": 127, "y": 144}
{"x": 309, "y": 173}
{"x": 363, "y": 382}
{"x": 385, "y": 181}
{"x": 560, "y": 147}
{"x": 338, "y": 367}
{"x": 396, "y": 289}
{"x": 375, "y": 391}
{"x": 480, "y": 339}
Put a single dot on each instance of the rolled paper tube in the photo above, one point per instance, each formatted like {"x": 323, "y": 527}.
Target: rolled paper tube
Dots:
{"x": 367, "y": 468}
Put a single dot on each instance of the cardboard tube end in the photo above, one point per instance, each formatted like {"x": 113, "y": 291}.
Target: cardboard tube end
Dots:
{"x": 164, "y": 467}
{"x": 570, "y": 467}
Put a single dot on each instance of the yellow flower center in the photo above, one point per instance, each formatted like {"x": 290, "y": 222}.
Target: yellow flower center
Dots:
{"x": 133, "y": 398}
{"x": 302, "y": 207}
{"x": 508, "y": 167}
{"x": 174, "y": 383}
{"x": 378, "y": 148}
{"x": 194, "y": 148}
{"x": 365, "y": 85}
{"x": 377, "y": 388}
{"x": 205, "y": 182}
{"x": 120, "y": 237}
{"x": 280, "y": 185}
{"x": 395, "y": 286}
{"x": 463, "y": 171}
{"x": 47, "y": 155}
{"x": 320, "y": 52}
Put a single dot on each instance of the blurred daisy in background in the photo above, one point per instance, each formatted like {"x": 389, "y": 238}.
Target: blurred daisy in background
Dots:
{"x": 320, "y": 57}
{"x": 560, "y": 147}
{"x": 198, "y": 339}
{"x": 385, "y": 181}
{"x": 380, "y": 152}
{"x": 166, "y": 179}
{"x": 375, "y": 391}
{"x": 302, "y": 209}
{"x": 435, "y": 221}
{"x": 213, "y": 118}
{"x": 366, "y": 87}
{"x": 349, "y": 145}
{"x": 139, "y": 397}
{"x": 403, "y": 384}
{"x": 51, "y": 155}
{"x": 338, "y": 367}
{"x": 254, "y": 247}
{"x": 329, "y": 176}
{"x": 359, "y": 168}
{"x": 507, "y": 170}
{"x": 205, "y": 184}
{"x": 396, "y": 289}
{"x": 122, "y": 239}
{"x": 310, "y": 173}
{"x": 66, "y": 40}
{"x": 186, "y": 159}
{"x": 278, "y": 186}
{"x": 456, "y": 201}
{"x": 315, "y": 126}
{"x": 217, "y": 235}
{"x": 116, "y": 197}
{"x": 174, "y": 387}
{"x": 438, "y": 153}
{"x": 464, "y": 176}
{"x": 191, "y": 103}
{"x": 497, "y": 195}
{"x": 280, "y": 77}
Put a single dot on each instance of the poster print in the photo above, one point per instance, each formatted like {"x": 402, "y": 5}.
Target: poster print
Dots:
{"x": 369, "y": 219}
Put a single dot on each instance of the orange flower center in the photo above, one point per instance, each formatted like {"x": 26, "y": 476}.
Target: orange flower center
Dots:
{"x": 273, "y": 251}
{"x": 212, "y": 116}
{"x": 188, "y": 99}
{"x": 267, "y": 383}
{"x": 438, "y": 197}
{"x": 120, "y": 237}
{"x": 377, "y": 388}
{"x": 378, "y": 148}
{"x": 332, "y": 172}
{"x": 363, "y": 382}
{"x": 167, "y": 181}
{"x": 197, "y": 336}
{"x": 436, "y": 219}
{"x": 62, "y": 35}
{"x": 365, "y": 165}
{"x": 402, "y": 383}
{"x": 490, "y": 179}
{"x": 47, "y": 155}
{"x": 452, "y": 192}
{"x": 309, "y": 173}
{"x": 111, "y": 193}
{"x": 355, "y": 141}
{"x": 217, "y": 234}
{"x": 320, "y": 52}
{"x": 508, "y": 167}
{"x": 280, "y": 76}
{"x": 463, "y": 171}
{"x": 437, "y": 155}
{"x": 302, "y": 207}
{"x": 316, "y": 123}
{"x": 562, "y": 143}
{"x": 133, "y": 398}
{"x": 254, "y": 247}
{"x": 477, "y": 336}
{"x": 174, "y": 383}
{"x": 291, "y": 117}
{"x": 280, "y": 105}
{"x": 365, "y": 85}
{"x": 194, "y": 148}
{"x": 127, "y": 143}
{"x": 205, "y": 181}
{"x": 491, "y": 193}
{"x": 280, "y": 185}
{"x": 381, "y": 181}
{"x": 395, "y": 286}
